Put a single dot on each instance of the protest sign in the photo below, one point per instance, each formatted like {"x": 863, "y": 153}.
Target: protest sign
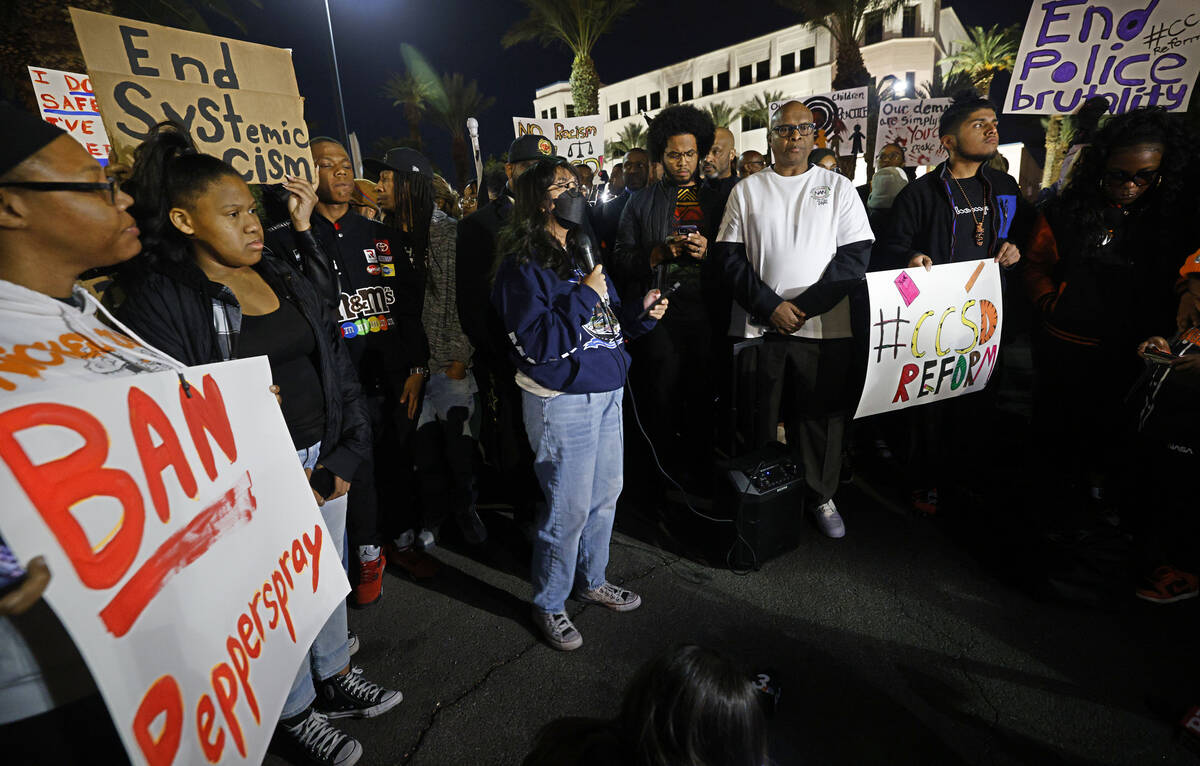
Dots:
{"x": 66, "y": 99}
{"x": 841, "y": 118}
{"x": 1132, "y": 52}
{"x": 934, "y": 335}
{"x": 238, "y": 100}
{"x": 579, "y": 139}
{"x": 912, "y": 124}
{"x": 191, "y": 565}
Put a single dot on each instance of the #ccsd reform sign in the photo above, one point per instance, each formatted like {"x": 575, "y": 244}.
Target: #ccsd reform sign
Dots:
{"x": 189, "y": 562}
{"x": 934, "y": 335}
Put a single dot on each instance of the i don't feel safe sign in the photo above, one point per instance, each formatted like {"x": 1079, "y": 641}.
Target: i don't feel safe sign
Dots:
{"x": 935, "y": 334}
{"x": 189, "y": 562}
{"x": 1133, "y": 52}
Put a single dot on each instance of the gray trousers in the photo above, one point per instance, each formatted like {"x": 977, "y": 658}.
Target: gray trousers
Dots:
{"x": 809, "y": 386}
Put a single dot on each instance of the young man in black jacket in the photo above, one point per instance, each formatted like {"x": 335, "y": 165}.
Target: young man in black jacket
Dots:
{"x": 962, "y": 210}
{"x": 376, "y": 297}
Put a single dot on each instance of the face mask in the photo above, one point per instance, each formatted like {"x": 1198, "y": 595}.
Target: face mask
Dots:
{"x": 570, "y": 208}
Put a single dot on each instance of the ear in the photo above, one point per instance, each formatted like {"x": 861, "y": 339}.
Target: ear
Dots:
{"x": 949, "y": 143}
{"x": 181, "y": 220}
{"x": 13, "y": 212}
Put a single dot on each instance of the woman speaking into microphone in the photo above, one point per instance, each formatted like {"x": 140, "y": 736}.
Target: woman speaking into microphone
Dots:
{"x": 564, "y": 319}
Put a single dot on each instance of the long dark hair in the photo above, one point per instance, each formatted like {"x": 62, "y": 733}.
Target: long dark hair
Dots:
{"x": 1083, "y": 202}
{"x": 168, "y": 172}
{"x": 693, "y": 706}
{"x": 412, "y": 206}
{"x": 526, "y": 237}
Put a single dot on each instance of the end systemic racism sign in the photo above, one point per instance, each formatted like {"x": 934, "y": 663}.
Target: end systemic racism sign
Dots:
{"x": 935, "y": 334}
{"x": 579, "y": 139}
{"x": 238, "y": 100}
{"x": 66, "y": 99}
{"x": 190, "y": 564}
{"x": 1133, "y": 52}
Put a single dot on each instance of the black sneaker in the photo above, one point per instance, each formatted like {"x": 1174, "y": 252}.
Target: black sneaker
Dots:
{"x": 352, "y": 696}
{"x": 311, "y": 741}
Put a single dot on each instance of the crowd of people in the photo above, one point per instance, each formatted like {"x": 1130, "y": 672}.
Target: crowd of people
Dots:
{"x": 560, "y": 339}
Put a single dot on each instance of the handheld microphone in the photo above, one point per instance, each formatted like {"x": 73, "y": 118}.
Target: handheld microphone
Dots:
{"x": 661, "y": 297}
{"x": 583, "y": 246}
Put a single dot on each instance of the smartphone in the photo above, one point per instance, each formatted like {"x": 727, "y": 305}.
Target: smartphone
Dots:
{"x": 12, "y": 573}
{"x": 1158, "y": 357}
{"x": 682, "y": 232}
{"x": 322, "y": 481}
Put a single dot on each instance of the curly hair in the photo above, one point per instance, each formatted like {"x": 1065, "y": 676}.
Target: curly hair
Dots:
{"x": 1083, "y": 201}
{"x": 680, "y": 120}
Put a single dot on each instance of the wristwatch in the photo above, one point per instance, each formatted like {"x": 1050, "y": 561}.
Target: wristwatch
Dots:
{"x": 422, "y": 371}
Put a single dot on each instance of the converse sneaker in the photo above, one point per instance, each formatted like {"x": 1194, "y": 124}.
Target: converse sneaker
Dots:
{"x": 609, "y": 595}
{"x": 352, "y": 696}
{"x": 558, "y": 629}
{"x": 829, "y": 521}
{"x": 352, "y": 642}
{"x": 309, "y": 740}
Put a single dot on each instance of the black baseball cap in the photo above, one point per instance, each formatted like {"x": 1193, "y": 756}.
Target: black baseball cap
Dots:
{"x": 400, "y": 159}
{"x": 530, "y": 147}
{"x": 22, "y": 135}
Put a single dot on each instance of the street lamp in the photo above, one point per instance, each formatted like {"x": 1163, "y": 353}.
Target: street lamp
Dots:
{"x": 337, "y": 78}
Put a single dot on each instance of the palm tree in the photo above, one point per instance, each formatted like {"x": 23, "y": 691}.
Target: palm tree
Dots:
{"x": 451, "y": 105}
{"x": 843, "y": 20}
{"x": 721, "y": 113}
{"x": 944, "y": 85}
{"x": 632, "y": 136}
{"x": 987, "y": 53}
{"x": 758, "y": 109}
{"x": 413, "y": 94}
{"x": 578, "y": 24}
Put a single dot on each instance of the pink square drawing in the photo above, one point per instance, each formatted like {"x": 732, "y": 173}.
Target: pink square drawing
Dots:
{"x": 907, "y": 287}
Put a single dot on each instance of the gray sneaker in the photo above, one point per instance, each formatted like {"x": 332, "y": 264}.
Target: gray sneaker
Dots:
{"x": 609, "y": 595}
{"x": 558, "y": 629}
{"x": 829, "y": 521}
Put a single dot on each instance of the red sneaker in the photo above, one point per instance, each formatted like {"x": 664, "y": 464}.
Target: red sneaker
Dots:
{"x": 925, "y": 501}
{"x": 418, "y": 564}
{"x": 1168, "y": 585}
{"x": 369, "y": 587}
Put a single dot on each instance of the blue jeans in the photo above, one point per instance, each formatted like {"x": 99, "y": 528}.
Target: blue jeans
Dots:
{"x": 578, "y": 446}
{"x": 330, "y": 651}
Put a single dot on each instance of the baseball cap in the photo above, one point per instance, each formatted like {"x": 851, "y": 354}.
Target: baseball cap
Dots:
{"x": 401, "y": 159}
{"x": 530, "y": 147}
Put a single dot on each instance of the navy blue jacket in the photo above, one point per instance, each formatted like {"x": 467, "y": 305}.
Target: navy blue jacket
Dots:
{"x": 561, "y": 334}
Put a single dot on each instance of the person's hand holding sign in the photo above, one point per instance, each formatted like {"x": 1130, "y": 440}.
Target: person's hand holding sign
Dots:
{"x": 1008, "y": 255}
{"x": 28, "y": 591}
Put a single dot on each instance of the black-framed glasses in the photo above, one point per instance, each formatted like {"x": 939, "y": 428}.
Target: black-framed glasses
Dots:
{"x": 112, "y": 186}
{"x": 801, "y": 129}
{"x": 566, "y": 185}
{"x": 1141, "y": 179}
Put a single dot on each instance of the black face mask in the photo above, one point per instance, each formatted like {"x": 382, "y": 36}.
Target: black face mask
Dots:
{"x": 570, "y": 208}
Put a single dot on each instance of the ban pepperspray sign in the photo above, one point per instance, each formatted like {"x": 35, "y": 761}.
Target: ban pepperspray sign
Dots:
{"x": 934, "y": 334}
{"x": 1132, "y": 52}
{"x": 238, "y": 100}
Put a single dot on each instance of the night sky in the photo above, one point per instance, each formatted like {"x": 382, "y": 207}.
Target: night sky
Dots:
{"x": 464, "y": 36}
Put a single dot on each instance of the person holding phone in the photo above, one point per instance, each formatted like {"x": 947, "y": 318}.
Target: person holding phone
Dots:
{"x": 206, "y": 290}
{"x": 567, "y": 331}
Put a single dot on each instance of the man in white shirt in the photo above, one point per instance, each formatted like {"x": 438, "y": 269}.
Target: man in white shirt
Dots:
{"x": 794, "y": 241}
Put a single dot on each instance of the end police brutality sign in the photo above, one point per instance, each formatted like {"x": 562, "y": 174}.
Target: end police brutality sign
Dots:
{"x": 1133, "y": 52}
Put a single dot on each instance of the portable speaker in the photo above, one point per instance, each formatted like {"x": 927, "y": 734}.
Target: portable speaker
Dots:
{"x": 763, "y": 493}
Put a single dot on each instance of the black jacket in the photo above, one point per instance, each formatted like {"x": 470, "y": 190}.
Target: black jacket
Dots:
{"x": 360, "y": 268}
{"x": 922, "y": 218}
{"x": 174, "y": 308}
{"x": 476, "y": 260}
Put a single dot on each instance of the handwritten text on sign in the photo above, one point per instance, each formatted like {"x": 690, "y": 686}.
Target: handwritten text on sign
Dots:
{"x": 1132, "y": 52}
{"x": 912, "y": 124}
{"x": 191, "y": 565}
{"x": 841, "y": 119}
{"x": 238, "y": 100}
{"x": 579, "y": 139}
{"x": 66, "y": 99}
{"x": 934, "y": 334}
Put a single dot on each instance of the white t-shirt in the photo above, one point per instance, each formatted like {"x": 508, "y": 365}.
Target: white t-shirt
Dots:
{"x": 791, "y": 227}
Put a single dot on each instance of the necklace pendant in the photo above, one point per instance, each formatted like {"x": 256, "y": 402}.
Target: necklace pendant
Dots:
{"x": 978, "y": 234}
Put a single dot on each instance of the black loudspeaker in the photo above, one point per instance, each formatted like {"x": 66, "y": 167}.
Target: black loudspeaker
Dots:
{"x": 763, "y": 493}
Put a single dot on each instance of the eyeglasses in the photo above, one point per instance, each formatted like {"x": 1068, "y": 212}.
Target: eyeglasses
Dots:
{"x": 1141, "y": 179}
{"x": 755, "y": 163}
{"x": 834, "y": 169}
{"x": 567, "y": 185}
{"x": 800, "y": 129}
{"x": 690, "y": 154}
{"x": 112, "y": 186}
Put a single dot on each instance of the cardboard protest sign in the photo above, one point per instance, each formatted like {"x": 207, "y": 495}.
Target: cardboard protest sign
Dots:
{"x": 912, "y": 124}
{"x": 238, "y": 100}
{"x": 66, "y": 99}
{"x": 841, "y": 118}
{"x": 190, "y": 563}
{"x": 1132, "y": 52}
{"x": 579, "y": 139}
{"x": 934, "y": 335}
